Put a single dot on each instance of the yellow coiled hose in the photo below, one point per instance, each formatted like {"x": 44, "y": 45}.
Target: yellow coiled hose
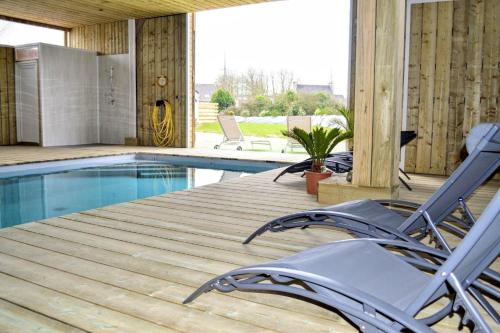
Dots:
{"x": 163, "y": 124}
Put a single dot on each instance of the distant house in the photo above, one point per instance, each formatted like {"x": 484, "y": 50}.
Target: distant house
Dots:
{"x": 204, "y": 91}
{"x": 314, "y": 88}
{"x": 319, "y": 88}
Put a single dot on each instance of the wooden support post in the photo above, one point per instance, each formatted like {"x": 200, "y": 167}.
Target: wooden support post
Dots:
{"x": 379, "y": 64}
{"x": 378, "y": 102}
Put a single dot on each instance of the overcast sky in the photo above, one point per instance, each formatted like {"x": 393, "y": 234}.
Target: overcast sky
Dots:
{"x": 308, "y": 37}
{"x": 12, "y": 33}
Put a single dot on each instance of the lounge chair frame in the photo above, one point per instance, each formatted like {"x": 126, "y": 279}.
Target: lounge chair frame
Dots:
{"x": 421, "y": 220}
{"x": 455, "y": 274}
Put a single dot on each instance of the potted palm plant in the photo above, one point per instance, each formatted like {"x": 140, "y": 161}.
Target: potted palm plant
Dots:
{"x": 347, "y": 124}
{"x": 318, "y": 144}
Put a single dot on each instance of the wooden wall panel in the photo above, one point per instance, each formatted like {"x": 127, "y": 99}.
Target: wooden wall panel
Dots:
{"x": 105, "y": 38}
{"x": 457, "y": 85}
{"x": 473, "y": 59}
{"x": 8, "y": 135}
{"x": 427, "y": 72}
{"x": 414, "y": 82}
{"x": 162, "y": 50}
{"x": 441, "y": 87}
{"x": 491, "y": 73}
{"x": 192, "y": 79}
{"x": 454, "y": 57}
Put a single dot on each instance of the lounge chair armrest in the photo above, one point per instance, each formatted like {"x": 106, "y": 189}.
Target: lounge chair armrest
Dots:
{"x": 327, "y": 283}
{"x": 411, "y": 246}
{"x": 358, "y": 219}
{"x": 412, "y": 206}
{"x": 401, "y": 203}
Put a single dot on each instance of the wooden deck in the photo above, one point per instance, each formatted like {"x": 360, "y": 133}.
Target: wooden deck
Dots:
{"x": 127, "y": 267}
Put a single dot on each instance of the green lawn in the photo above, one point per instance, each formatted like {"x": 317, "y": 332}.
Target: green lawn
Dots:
{"x": 248, "y": 129}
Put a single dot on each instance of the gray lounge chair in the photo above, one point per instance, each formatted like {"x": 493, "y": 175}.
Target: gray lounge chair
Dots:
{"x": 406, "y": 220}
{"x": 233, "y": 134}
{"x": 375, "y": 288}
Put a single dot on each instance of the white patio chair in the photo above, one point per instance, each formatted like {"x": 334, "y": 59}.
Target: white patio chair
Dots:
{"x": 302, "y": 122}
{"x": 233, "y": 135}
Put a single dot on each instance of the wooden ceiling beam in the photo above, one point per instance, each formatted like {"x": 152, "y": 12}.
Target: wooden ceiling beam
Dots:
{"x": 72, "y": 13}
{"x": 38, "y": 24}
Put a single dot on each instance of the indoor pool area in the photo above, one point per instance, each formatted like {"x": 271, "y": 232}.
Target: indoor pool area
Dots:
{"x": 42, "y": 190}
{"x": 243, "y": 166}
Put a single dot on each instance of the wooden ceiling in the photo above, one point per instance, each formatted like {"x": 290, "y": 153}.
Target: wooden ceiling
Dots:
{"x": 72, "y": 13}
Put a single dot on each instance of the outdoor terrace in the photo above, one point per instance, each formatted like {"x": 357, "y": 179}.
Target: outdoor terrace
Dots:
{"x": 128, "y": 267}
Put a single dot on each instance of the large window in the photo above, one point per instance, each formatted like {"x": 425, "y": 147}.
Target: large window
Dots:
{"x": 265, "y": 62}
{"x": 307, "y": 38}
{"x": 13, "y": 33}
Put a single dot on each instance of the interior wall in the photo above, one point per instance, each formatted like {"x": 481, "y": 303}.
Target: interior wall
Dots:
{"x": 8, "y": 134}
{"x": 161, "y": 51}
{"x": 453, "y": 79}
{"x": 105, "y": 38}
{"x": 68, "y": 96}
{"x": 115, "y": 119}
{"x": 191, "y": 121}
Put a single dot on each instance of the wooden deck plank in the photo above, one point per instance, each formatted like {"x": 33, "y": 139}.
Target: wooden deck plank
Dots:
{"x": 85, "y": 315}
{"x": 133, "y": 263}
{"x": 263, "y": 316}
{"x": 151, "y": 268}
{"x": 14, "y": 318}
{"x": 210, "y": 229}
{"x": 165, "y": 314}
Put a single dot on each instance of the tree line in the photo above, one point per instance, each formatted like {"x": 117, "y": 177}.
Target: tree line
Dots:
{"x": 268, "y": 94}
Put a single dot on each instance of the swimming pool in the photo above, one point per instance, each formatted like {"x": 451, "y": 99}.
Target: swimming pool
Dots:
{"x": 37, "y": 191}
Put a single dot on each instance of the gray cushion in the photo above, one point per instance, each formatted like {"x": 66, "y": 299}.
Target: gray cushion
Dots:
{"x": 476, "y": 134}
{"x": 364, "y": 265}
{"x": 371, "y": 211}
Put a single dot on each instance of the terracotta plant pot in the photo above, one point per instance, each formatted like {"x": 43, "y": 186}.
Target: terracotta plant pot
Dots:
{"x": 312, "y": 179}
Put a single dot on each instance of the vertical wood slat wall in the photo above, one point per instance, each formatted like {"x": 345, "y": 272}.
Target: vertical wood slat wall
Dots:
{"x": 104, "y": 38}
{"x": 192, "y": 79}
{"x": 453, "y": 79}
{"x": 8, "y": 131}
{"x": 161, "y": 50}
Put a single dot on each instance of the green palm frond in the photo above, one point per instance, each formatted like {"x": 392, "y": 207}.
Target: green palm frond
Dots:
{"x": 318, "y": 143}
{"x": 348, "y": 122}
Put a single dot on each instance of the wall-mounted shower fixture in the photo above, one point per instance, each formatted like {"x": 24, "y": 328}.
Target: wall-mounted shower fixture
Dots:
{"x": 109, "y": 95}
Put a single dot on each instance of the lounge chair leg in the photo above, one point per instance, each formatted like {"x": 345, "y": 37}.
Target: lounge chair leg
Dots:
{"x": 405, "y": 184}
{"x": 258, "y": 232}
{"x": 203, "y": 289}
{"x": 485, "y": 304}
{"x": 404, "y": 173}
{"x": 281, "y": 174}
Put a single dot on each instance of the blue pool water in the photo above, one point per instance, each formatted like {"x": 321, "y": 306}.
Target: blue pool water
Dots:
{"x": 32, "y": 197}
